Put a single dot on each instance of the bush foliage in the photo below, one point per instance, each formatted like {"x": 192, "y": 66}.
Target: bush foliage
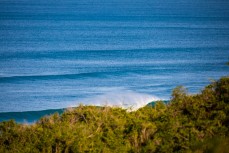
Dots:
{"x": 188, "y": 123}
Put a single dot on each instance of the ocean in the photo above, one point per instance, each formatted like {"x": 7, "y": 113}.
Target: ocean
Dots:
{"x": 127, "y": 53}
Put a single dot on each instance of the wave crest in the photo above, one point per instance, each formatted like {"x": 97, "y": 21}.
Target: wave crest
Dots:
{"x": 125, "y": 99}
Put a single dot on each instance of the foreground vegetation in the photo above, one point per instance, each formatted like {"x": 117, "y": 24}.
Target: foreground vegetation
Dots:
{"x": 189, "y": 123}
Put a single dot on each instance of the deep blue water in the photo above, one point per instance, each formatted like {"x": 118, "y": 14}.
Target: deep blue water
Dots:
{"x": 57, "y": 54}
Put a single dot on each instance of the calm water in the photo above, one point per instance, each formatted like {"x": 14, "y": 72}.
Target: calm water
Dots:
{"x": 56, "y": 54}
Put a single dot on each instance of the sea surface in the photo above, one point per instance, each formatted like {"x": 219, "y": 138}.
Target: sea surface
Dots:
{"x": 58, "y": 54}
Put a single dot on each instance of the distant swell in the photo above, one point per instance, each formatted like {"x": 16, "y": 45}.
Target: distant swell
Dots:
{"x": 49, "y": 77}
{"x": 74, "y": 54}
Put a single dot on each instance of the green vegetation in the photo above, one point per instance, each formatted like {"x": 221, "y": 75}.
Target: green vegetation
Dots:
{"x": 189, "y": 123}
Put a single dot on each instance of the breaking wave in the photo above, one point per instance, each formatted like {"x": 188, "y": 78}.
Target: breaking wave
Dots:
{"x": 126, "y": 99}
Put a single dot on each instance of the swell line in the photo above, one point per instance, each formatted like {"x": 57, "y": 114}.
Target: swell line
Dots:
{"x": 49, "y": 77}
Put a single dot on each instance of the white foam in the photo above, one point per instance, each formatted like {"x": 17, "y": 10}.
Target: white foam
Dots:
{"x": 125, "y": 99}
